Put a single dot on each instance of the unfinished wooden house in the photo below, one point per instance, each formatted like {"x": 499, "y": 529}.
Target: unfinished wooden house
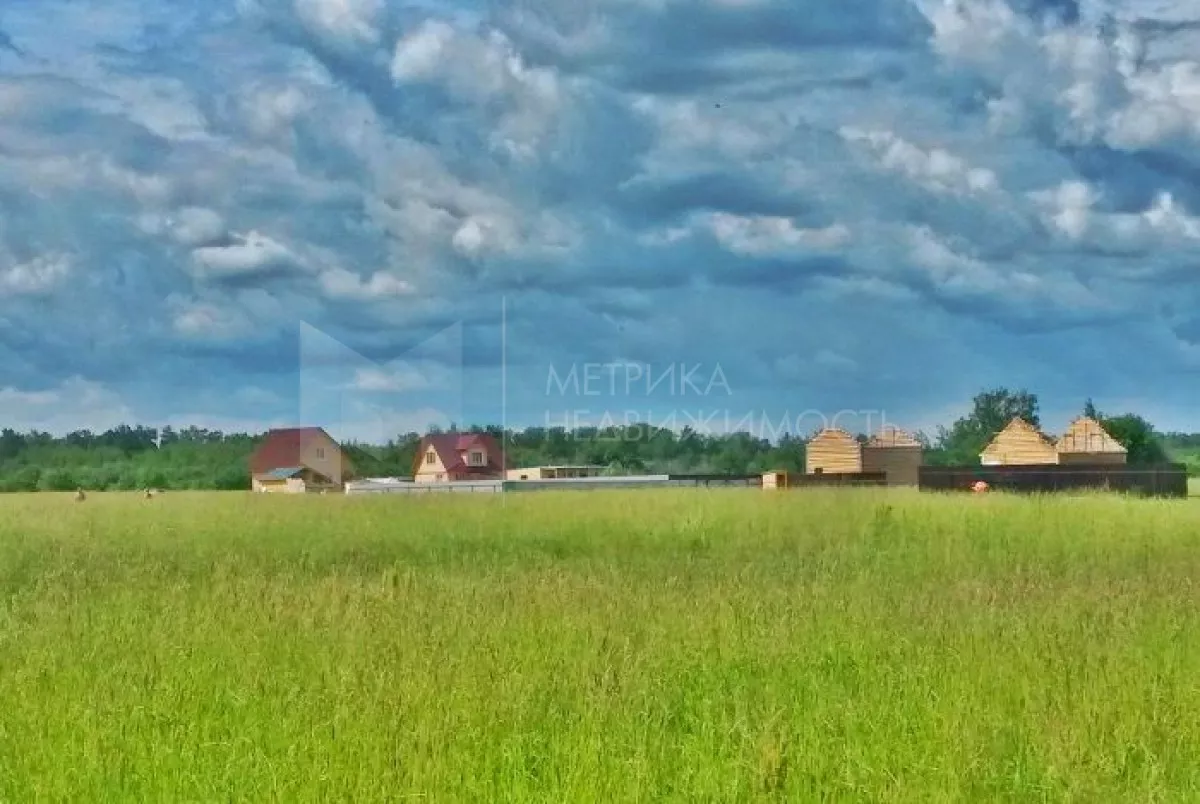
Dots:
{"x": 1087, "y": 442}
{"x": 1019, "y": 444}
{"x": 833, "y": 451}
{"x": 895, "y": 453}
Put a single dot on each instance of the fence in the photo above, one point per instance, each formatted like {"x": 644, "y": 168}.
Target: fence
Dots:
{"x": 409, "y": 487}
{"x": 546, "y": 484}
{"x": 823, "y": 479}
{"x": 1154, "y": 480}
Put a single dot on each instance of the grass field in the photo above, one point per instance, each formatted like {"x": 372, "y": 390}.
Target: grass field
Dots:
{"x": 650, "y": 646}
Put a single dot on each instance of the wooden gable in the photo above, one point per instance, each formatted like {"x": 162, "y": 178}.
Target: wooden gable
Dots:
{"x": 1086, "y": 441}
{"x": 1019, "y": 444}
{"x": 833, "y": 451}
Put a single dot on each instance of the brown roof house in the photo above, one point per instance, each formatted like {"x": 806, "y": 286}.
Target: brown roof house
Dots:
{"x": 1086, "y": 441}
{"x": 448, "y": 457}
{"x": 1019, "y": 444}
{"x": 298, "y": 459}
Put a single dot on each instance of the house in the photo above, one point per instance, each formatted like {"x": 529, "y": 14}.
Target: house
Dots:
{"x": 298, "y": 459}
{"x": 895, "y": 453}
{"x": 1019, "y": 444}
{"x": 553, "y": 472}
{"x": 1086, "y": 441}
{"x": 833, "y": 451}
{"x": 448, "y": 457}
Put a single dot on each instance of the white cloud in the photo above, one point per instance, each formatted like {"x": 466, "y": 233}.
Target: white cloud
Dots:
{"x": 74, "y": 404}
{"x": 934, "y": 168}
{"x": 1070, "y": 209}
{"x": 771, "y": 235}
{"x": 35, "y": 277}
{"x": 338, "y": 283}
{"x": 207, "y": 321}
{"x": 1094, "y": 90}
{"x": 348, "y": 22}
{"x": 485, "y": 69}
{"x": 390, "y": 379}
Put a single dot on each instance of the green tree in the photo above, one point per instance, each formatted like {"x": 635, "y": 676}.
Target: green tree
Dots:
{"x": 1142, "y": 444}
{"x": 991, "y": 411}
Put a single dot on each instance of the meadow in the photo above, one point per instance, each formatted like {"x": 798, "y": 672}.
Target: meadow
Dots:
{"x": 649, "y": 645}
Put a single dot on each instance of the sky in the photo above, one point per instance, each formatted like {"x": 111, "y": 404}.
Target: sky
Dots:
{"x": 768, "y": 215}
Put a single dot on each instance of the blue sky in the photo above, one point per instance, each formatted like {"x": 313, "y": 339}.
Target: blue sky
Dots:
{"x": 373, "y": 215}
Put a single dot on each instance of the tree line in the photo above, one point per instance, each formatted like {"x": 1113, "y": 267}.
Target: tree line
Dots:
{"x": 134, "y": 457}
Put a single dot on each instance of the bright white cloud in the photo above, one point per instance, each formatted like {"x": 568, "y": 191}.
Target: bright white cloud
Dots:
{"x": 934, "y": 168}
{"x": 346, "y": 21}
{"x": 1093, "y": 89}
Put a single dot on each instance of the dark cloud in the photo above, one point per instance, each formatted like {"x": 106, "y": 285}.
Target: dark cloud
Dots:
{"x": 815, "y": 194}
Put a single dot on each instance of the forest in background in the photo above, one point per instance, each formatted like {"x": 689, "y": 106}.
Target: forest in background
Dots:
{"x": 134, "y": 457}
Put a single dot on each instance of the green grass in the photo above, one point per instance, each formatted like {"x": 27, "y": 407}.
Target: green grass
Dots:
{"x": 599, "y": 646}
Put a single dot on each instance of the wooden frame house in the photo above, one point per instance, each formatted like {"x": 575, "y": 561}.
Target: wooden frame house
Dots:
{"x": 895, "y": 453}
{"x": 1087, "y": 442}
{"x": 1019, "y": 444}
{"x": 833, "y": 451}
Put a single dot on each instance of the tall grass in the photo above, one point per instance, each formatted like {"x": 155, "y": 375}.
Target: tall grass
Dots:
{"x": 599, "y": 646}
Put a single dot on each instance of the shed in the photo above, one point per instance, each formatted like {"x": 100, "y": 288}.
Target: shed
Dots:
{"x": 833, "y": 451}
{"x": 554, "y": 472}
{"x": 775, "y": 479}
{"x": 1086, "y": 441}
{"x": 896, "y": 453}
{"x": 291, "y": 480}
{"x": 1019, "y": 444}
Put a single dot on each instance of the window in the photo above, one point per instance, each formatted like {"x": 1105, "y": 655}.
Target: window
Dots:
{"x": 320, "y": 452}
{"x": 430, "y": 457}
{"x": 475, "y": 457}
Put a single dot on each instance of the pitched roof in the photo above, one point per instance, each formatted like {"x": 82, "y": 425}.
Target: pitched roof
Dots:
{"x": 1087, "y": 435}
{"x": 832, "y": 433}
{"x": 452, "y": 448}
{"x": 889, "y": 436}
{"x": 283, "y": 473}
{"x": 282, "y": 448}
{"x": 1021, "y": 430}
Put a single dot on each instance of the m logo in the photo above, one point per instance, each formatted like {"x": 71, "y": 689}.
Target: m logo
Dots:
{"x": 356, "y": 398}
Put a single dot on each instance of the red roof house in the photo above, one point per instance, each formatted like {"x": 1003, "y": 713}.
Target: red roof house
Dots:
{"x": 294, "y": 451}
{"x": 458, "y": 456}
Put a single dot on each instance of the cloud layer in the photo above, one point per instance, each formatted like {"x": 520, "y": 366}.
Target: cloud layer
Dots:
{"x": 860, "y": 205}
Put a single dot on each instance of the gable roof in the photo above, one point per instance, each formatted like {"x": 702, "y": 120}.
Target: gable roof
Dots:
{"x": 282, "y": 448}
{"x": 832, "y": 434}
{"x": 282, "y": 473}
{"x": 889, "y": 436}
{"x": 452, "y": 448}
{"x": 1086, "y": 435}
{"x": 1018, "y": 430}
